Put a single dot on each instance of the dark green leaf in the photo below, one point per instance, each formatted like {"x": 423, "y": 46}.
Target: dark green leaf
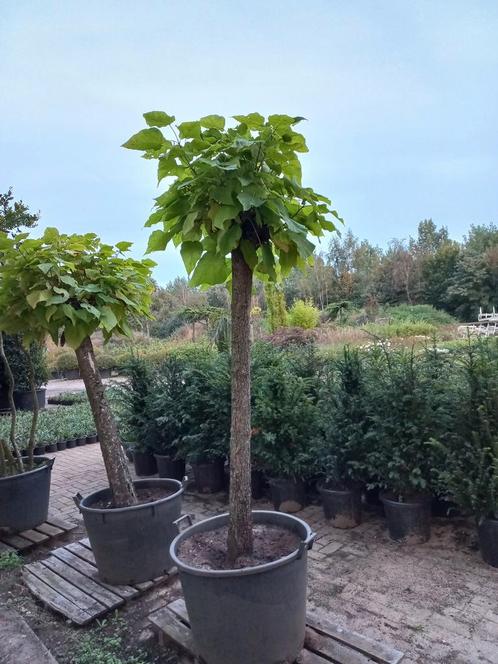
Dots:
{"x": 157, "y": 241}
{"x": 191, "y": 252}
{"x": 158, "y": 119}
{"x": 210, "y": 270}
{"x": 229, "y": 238}
{"x": 147, "y": 139}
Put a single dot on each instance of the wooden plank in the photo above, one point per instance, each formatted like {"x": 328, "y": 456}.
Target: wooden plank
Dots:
{"x": 34, "y": 536}
{"x": 67, "y": 590}
{"x": 81, "y": 565}
{"x": 180, "y": 610}
{"x": 49, "y": 530}
{"x": 86, "y": 542}
{"x": 145, "y": 585}
{"x": 308, "y": 657}
{"x": 84, "y": 583}
{"x": 173, "y": 629}
{"x": 64, "y": 525}
{"x": 378, "y": 652}
{"x": 332, "y": 650}
{"x": 82, "y": 552}
{"x": 18, "y": 542}
{"x": 54, "y": 600}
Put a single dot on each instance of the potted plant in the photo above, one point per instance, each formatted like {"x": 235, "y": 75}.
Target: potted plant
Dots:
{"x": 340, "y": 451}
{"x": 236, "y": 192}
{"x": 468, "y": 468}
{"x": 408, "y": 409}
{"x": 284, "y": 427}
{"x": 69, "y": 286}
{"x": 131, "y": 401}
{"x": 16, "y": 356}
{"x": 24, "y": 480}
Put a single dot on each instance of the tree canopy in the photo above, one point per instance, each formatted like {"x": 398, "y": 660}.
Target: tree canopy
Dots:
{"x": 15, "y": 215}
{"x": 69, "y": 286}
{"x": 233, "y": 187}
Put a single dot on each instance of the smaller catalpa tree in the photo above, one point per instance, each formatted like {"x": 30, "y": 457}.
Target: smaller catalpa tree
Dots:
{"x": 69, "y": 286}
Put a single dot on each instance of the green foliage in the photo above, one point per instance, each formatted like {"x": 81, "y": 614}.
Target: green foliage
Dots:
{"x": 417, "y": 313}
{"x": 130, "y": 403}
{"x": 54, "y": 424}
{"x": 469, "y": 472}
{"x": 275, "y": 302}
{"x": 69, "y": 286}
{"x": 10, "y": 560}
{"x": 16, "y": 357}
{"x": 15, "y": 215}
{"x": 105, "y": 645}
{"x": 284, "y": 412}
{"x": 401, "y": 329}
{"x": 342, "y": 447}
{"x": 233, "y": 187}
{"x": 304, "y": 314}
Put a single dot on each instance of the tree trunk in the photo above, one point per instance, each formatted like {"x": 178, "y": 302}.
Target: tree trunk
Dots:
{"x": 118, "y": 474}
{"x": 13, "y": 451}
{"x": 36, "y": 409}
{"x": 240, "y": 540}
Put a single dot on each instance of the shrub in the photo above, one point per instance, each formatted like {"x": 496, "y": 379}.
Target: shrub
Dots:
{"x": 341, "y": 449}
{"x": 284, "y": 415}
{"x": 304, "y": 314}
{"x": 19, "y": 365}
{"x": 418, "y": 313}
{"x": 401, "y": 329}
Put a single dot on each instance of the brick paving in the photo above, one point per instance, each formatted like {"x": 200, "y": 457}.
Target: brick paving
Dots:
{"x": 438, "y": 602}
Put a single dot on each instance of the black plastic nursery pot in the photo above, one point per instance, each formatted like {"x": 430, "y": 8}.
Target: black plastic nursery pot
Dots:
{"x": 257, "y": 484}
{"x": 131, "y": 544}
{"x": 24, "y": 400}
{"x": 90, "y": 440}
{"x": 488, "y": 541}
{"x": 24, "y": 497}
{"x": 209, "y": 475}
{"x": 81, "y": 441}
{"x": 287, "y": 495}
{"x": 71, "y": 442}
{"x": 52, "y": 447}
{"x": 61, "y": 445}
{"x": 342, "y": 507}
{"x": 145, "y": 463}
{"x": 253, "y": 615}
{"x": 167, "y": 466}
{"x": 408, "y": 522}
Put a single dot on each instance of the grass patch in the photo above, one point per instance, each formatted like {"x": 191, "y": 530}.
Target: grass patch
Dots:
{"x": 10, "y": 560}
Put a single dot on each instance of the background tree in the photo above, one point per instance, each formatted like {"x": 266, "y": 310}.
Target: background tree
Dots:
{"x": 69, "y": 286}
{"x": 236, "y": 192}
{"x": 15, "y": 215}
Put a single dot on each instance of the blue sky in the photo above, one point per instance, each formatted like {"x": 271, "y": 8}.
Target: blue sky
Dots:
{"x": 401, "y": 98}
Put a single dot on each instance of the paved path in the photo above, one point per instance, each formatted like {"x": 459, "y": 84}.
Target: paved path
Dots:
{"x": 61, "y": 386}
{"x": 18, "y": 643}
{"x": 437, "y": 602}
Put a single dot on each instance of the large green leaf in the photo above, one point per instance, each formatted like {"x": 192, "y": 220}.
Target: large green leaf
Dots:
{"x": 190, "y": 129}
{"x": 252, "y": 196}
{"x": 147, "y": 139}
{"x": 158, "y": 119}
{"x": 229, "y": 239}
{"x": 210, "y": 270}
{"x": 108, "y": 319}
{"x": 252, "y": 120}
{"x": 157, "y": 241}
{"x": 224, "y": 213}
{"x": 213, "y": 122}
{"x": 191, "y": 252}
{"x": 37, "y": 296}
{"x": 249, "y": 252}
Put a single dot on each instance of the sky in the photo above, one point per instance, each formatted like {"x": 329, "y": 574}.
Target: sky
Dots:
{"x": 401, "y": 101}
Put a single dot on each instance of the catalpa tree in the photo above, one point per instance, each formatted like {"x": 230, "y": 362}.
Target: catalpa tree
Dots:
{"x": 68, "y": 287}
{"x": 236, "y": 206}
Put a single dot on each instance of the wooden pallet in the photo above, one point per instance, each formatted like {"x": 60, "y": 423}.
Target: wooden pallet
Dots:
{"x": 325, "y": 642}
{"x": 27, "y": 539}
{"x": 68, "y": 582}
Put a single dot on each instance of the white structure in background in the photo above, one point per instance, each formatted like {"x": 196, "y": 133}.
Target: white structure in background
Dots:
{"x": 487, "y": 325}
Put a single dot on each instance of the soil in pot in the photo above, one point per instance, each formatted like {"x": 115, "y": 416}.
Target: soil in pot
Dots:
{"x": 207, "y": 550}
{"x": 341, "y": 505}
{"x": 167, "y": 466}
{"x": 209, "y": 475}
{"x": 145, "y": 463}
{"x": 488, "y": 541}
{"x": 409, "y": 522}
{"x": 287, "y": 495}
{"x": 144, "y": 495}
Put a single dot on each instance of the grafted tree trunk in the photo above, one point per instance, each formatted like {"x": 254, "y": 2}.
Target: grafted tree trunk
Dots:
{"x": 12, "y": 453}
{"x": 36, "y": 408}
{"x": 240, "y": 539}
{"x": 118, "y": 474}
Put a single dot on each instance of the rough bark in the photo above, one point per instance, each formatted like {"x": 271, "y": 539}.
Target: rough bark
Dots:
{"x": 118, "y": 474}
{"x": 240, "y": 539}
